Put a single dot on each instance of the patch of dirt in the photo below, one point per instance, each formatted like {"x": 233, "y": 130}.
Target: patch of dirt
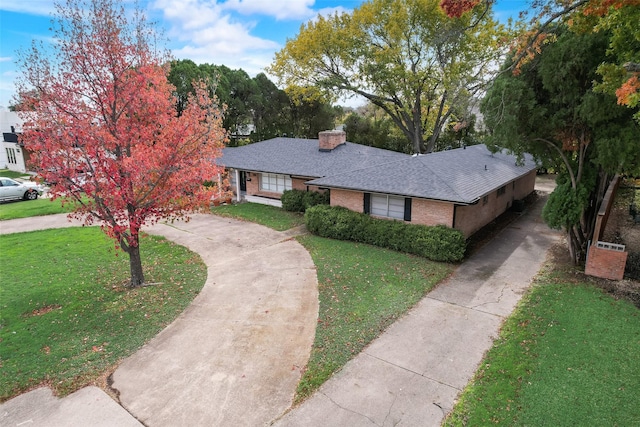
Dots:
{"x": 43, "y": 310}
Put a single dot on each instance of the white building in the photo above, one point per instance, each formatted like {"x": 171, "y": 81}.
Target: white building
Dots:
{"x": 12, "y": 155}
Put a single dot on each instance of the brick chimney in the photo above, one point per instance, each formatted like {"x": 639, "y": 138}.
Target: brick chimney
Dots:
{"x": 330, "y": 139}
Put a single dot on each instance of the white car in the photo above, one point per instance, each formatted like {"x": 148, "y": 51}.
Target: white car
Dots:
{"x": 11, "y": 189}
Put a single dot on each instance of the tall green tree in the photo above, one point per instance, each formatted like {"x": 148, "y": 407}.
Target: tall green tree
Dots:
{"x": 551, "y": 111}
{"x": 404, "y": 56}
{"x": 368, "y": 127}
{"x": 310, "y": 114}
{"x": 182, "y": 75}
{"x": 270, "y": 107}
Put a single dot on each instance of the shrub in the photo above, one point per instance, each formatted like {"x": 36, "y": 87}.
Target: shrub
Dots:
{"x": 300, "y": 201}
{"x": 438, "y": 243}
{"x": 313, "y": 198}
{"x": 293, "y": 200}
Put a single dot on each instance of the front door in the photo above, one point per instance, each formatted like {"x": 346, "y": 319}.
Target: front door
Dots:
{"x": 243, "y": 181}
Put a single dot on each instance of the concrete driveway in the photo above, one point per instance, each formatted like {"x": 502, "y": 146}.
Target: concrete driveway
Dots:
{"x": 233, "y": 357}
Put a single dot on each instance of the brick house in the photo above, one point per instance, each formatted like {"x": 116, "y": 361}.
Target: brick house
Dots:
{"x": 465, "y": 188}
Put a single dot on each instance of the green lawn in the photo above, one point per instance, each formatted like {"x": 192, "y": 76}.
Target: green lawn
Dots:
{"x": 6, "y": 173}
{"x": 65, "y": 317}
{"x": 569, "y": 355}
{"x": 269, "y": 216}
{"x": 29, "y": 208}
{"x": 362, "y": 290}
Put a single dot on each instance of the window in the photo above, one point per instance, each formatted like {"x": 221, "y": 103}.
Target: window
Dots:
{"x": 485, "y": 200}
{"x": 502, "y": 190}
{"x": 274, "y": 182}
{"x": 387, "y": 206}
{"x": 11, "y": 155}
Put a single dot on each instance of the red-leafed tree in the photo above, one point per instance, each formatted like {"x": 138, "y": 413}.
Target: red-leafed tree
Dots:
{"x": 100, "y": 116}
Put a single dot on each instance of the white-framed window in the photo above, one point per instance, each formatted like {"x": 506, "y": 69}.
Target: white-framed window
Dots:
{"x": 387, "y": 206}
{"x": 11, "y": 155}
{"x": 275, "y": 183}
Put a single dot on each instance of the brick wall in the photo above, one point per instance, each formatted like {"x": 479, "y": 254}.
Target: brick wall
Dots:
{"x": 431, "y": 212}
{"x": 606, "y": 263}
{"x": 524, "y": 186}
{"x": 472, "y": 218}
{"x": 353, "y": 200}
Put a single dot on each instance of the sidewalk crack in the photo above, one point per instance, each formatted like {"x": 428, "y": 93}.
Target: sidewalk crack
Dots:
{"x": 350, "y": 410}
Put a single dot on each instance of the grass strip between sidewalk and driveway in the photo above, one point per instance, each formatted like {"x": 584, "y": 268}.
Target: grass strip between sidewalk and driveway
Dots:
{"x": 362, "y": 290}
{"x": 65, "y": 317}
{"x": 569, "y": 355}
{"x": 270, "y": 216}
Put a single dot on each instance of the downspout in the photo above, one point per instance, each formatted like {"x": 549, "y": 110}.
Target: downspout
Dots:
{"x": 455, "y": 210}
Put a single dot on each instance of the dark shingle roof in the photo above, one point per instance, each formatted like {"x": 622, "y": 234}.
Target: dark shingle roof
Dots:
{"x": 302, "y": 157}
{"x": 455, "y": 175}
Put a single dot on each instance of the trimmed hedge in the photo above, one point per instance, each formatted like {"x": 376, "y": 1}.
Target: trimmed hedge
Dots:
{"x": 300, "y": 201}
{"x": 438, "y": 243}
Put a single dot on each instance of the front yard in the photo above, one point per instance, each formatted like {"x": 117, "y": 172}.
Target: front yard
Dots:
{"x": 66, "y": 319}
{"x": 567, "y": 356}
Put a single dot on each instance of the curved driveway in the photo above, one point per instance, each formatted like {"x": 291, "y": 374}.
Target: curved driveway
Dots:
{"x": 234, "y": 356}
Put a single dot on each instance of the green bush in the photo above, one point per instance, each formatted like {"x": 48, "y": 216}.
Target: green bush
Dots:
{"x": 438, "y": 243}
{"x": 293, "y": 200}
{"x": 300, "y": 201}
{"x": 313, "y": 198}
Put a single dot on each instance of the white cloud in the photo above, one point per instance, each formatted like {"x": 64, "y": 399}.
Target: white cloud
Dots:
{"x": 5, "y": 59}
{"x": 32, "y": 7}
{"x": 205, "y": 31}
{"x": 281, "y": 9}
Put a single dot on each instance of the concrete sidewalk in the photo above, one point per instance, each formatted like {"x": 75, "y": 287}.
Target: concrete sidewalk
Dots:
{"x": 233, "y": 357}
{"x": 413, "y": 372}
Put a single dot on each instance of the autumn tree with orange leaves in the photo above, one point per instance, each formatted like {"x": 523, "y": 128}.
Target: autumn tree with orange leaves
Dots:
{"x": 100, "y": 116}
{"x": 620, "y": 75}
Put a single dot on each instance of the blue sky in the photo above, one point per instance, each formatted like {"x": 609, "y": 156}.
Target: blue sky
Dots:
{"x": 237, "y": 33}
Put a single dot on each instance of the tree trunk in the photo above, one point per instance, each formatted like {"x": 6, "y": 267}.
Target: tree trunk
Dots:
{"x": 135, "y": 265}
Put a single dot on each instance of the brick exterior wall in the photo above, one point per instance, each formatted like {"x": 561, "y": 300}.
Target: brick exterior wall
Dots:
{"x": 431, "y": 212}
{"x": 472, "y": 218}
{"x": 524, "y": 186}
{"x": 606, "y": 263}
{"x": 353, "y": 200}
